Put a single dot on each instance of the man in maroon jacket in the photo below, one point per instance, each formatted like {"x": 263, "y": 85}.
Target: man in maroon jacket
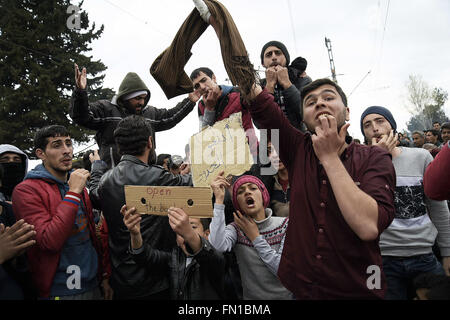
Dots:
{"x": 342, "y": 198}
{"x": 65, "y": 260}
{"x": 436, "y": 181}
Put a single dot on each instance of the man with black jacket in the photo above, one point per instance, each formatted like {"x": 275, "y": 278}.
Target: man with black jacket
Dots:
{"x": 129, "y": 280}
{"x": 197, "y": 270}
{"x": 132, "y": 98}
{"x": 275, "y": 59}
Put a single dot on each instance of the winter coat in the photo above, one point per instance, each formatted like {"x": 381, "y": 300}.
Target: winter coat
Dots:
{"x": 39, "y": 202}
{"x": 107, "y": 192}
{"x": 103, "y": 116}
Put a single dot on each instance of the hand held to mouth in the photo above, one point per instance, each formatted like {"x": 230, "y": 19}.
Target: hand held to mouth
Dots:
{"x": 247, "y": 225}
{"x": 77, "y": 180}
{"x": 328, "y": 143}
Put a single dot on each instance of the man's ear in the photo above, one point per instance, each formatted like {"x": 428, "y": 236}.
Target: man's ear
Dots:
{"x": 150, "y": 142}
{"x": 207, "y": 232}
{"x": 347, "y": 114}
{"x": 214, "y": 78}
{"x": 40, "y": 154}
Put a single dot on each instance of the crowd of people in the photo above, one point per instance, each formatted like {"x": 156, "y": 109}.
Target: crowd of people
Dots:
{"x": 337, "y": 219}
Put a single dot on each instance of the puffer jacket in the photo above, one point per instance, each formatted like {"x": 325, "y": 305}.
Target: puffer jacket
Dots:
{"x": 39, "y": 203}
{"x": 103, "y": 115}
{"x": 107, "y": 193}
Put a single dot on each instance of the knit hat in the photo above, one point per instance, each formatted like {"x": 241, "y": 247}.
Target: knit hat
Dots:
{"x": 134, "y": 94}
{"x": 280, "y": 46}
{"x": 300, "y": 64}
{"x": 252, "y": 179}
{"x": 381, "y": 111}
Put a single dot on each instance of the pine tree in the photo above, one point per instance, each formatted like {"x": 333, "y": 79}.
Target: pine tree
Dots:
{"x": 39, "y": 43}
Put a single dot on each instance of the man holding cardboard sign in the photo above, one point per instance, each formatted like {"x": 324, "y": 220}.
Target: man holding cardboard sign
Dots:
{"x": 134, "y": 139}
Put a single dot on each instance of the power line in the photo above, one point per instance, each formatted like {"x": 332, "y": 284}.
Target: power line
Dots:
{"x": 292, "y": 25}
{"x": 360, "y": 82}
{"x": 384, "y": 32}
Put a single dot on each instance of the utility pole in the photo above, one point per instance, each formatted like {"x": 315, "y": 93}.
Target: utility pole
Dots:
{"x": 330, "y": 56}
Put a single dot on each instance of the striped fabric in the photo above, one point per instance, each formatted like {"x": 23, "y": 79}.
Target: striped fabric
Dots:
{"x": 72, "y": 199}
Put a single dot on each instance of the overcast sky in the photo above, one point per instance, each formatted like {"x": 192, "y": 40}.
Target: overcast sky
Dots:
{"x": 389, "y": 39}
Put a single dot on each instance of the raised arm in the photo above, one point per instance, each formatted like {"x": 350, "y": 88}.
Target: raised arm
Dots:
{"x": 165, "y": 119}
{"x": 141, "y": 252}
{"x": 222, "y": 238}
{"x": 91, "y": 116}
{"x": 268, "y": 114}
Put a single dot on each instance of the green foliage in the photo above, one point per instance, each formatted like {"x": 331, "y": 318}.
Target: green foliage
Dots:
{"x": 427, "y": 104}
{"x": 37, "y": 55}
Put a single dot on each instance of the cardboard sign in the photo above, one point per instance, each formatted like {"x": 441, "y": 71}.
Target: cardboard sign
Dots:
{"x": 222, "y": 147}
{"x": 196, "y": 202}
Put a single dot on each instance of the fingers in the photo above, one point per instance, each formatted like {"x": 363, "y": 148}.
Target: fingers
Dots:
{"x": 15, "y": 227}
{"x": 26, "y": 230}
{"x": 374, "y": 141}
{"x": 24, "y": 241}
{"x": 26, "y": 245}
{"x": 177, "y": 212}
{"x": 343, "y": 131}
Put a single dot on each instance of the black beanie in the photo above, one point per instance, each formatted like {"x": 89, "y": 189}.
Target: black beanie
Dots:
{"x": 381, "y": 111}
{"x": 280, "y": 46}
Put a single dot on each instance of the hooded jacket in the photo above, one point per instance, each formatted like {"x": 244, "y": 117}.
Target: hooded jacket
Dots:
{"x": 39, "y": 200}
{"x": 14, "y": 173}
{"x": 103, "y": 115}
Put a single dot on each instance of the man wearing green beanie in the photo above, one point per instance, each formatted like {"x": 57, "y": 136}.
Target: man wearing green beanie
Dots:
{"x": 132, "y": 98}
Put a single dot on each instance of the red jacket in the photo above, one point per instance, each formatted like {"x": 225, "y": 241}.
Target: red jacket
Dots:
{"x": 39, "y": 203}
{"x": 436, "y": 181}
{"x": 232, "y": 101}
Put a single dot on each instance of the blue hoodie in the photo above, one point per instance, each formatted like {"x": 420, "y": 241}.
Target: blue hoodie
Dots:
{"x": 78, "y": 252}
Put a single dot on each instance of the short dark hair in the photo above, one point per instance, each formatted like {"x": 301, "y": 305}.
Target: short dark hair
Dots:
{"x": 205, "y": 223}
{"x": 445, "y": 125}
{"x": 205, "y": 70}
{"x": 433, "y": 132}
{"x": 131, "y": 135}
{"x": 86, "y": 161}
{"x": 161, "y": 157}
{"x": 436, "y": 122}
{"x": 321, "y": 82}
{"x": 42, "y": 135}
{"x": 300, "y": 64}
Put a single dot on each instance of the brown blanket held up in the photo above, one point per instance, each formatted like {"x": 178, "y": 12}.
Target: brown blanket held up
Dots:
{"x": 168, "y": 68}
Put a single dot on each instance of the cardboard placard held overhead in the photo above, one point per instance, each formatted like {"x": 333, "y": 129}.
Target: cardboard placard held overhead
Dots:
{"x": 196, "y": 202}
{"x": 222, "y": 147}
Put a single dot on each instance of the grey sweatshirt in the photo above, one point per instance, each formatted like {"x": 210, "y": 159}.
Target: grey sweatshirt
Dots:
{"x": 258, "y": 260}
{"x": 413, "y": 232}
